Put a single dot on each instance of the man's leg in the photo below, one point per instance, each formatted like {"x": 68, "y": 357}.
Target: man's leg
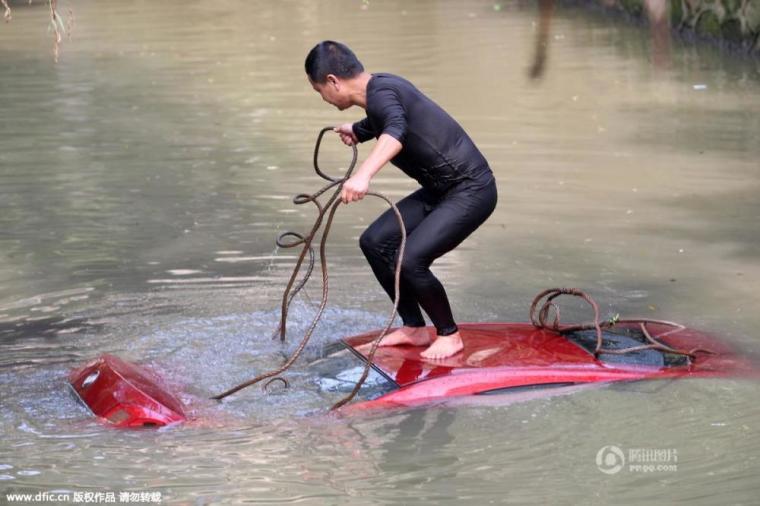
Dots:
{"x": 380, "y": 243}
{"x": 450, "y": 222}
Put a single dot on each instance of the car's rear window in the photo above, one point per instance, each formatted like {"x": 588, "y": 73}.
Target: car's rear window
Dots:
{"x": 621, "y": 338}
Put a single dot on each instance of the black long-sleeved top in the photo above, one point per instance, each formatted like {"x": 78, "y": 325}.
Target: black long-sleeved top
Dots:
{"x": 436, "y": 151}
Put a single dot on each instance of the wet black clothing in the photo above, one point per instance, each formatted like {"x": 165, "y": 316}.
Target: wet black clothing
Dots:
{"x": 434, "y": 225}
{"x": 458, "y": 194}
{"x": 437, "y": 152}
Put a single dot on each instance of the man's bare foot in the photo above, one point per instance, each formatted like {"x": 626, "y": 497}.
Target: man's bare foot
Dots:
{"x": 444, "y": 347}
{"x": 416, "y": 336}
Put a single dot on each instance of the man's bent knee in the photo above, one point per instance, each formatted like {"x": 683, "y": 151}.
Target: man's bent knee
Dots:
{"x": 368, "y": 242}
{"x": 413, "y": 267}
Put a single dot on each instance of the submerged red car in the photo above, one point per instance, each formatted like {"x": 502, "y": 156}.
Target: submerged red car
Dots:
{"x": 498, "y": 359}
{"x": 124, "y": 394}
{"x": 504, "y": 358}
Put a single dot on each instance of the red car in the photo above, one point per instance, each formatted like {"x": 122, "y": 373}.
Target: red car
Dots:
{"x": 506, "y": 358}
{"x": 498, "y": 359}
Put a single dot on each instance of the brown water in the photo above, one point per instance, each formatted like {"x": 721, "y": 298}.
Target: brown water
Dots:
{"x": 144, "y": 178}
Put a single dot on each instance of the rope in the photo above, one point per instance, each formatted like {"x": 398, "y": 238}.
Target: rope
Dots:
{"x": 329, "y": 208}
{"x": 539, "y": 320}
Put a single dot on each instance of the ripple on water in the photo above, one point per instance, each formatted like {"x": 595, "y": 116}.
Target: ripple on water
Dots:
{"x": 183, "y": 272}
{"x": 28, "y": 472}
{"x": 204, "y": 356}
{"x": 197, "y": 357}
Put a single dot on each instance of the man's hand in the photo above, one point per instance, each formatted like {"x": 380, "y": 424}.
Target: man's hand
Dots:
{"x": 354, "y": 189}
{"x": 346, "y": 132}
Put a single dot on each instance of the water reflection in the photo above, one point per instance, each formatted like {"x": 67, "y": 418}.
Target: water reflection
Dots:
{"x": 545, "y": 12}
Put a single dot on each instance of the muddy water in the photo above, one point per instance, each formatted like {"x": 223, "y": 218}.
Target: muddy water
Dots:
{"x": 144, "y": 177}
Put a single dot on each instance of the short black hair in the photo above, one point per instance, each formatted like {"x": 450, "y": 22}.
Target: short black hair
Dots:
{"x": 330, "y": 57}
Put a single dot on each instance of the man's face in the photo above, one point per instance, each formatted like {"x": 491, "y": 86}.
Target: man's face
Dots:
{"x": 332, "y": 91}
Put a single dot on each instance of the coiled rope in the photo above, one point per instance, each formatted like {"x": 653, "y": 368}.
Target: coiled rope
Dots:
{"x": 539, "y": 320}
{"x": 293, "y": 239}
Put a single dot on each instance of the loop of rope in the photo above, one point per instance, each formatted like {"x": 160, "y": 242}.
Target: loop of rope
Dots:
{"x": 319, "y": 171}
{"x": 304, "y": 198}
{"x": 284, "y": 382}
{"x": 329, "y": 208}
{"x": 539, "y": 320}
{"x": 280, "y": 241}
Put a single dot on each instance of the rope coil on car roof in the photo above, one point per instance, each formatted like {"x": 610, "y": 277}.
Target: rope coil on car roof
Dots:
{"x": 539, "y": 320}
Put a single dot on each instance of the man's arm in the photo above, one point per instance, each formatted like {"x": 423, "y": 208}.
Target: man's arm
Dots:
{"x": 362, "y": 130}
{"x": 356, "y": 187}
{"x": 387, "y": 108}
{"x": 352, "y": 133}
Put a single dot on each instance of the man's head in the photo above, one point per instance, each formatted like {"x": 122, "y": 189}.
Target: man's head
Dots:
{"x": 329, "y": 65}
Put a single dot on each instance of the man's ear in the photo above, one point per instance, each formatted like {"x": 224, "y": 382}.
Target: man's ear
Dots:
{"x": 333, "y": 81}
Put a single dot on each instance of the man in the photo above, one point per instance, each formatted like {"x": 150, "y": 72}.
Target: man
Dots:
{"x": 458, "y": 188}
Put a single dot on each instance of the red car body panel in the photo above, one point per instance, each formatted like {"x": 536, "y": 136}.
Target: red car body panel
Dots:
{"x": 124, "y": 394}
{"x": 500, "y": 356}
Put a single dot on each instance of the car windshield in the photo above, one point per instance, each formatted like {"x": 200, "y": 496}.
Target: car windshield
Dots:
{"x": 339, "y": 370}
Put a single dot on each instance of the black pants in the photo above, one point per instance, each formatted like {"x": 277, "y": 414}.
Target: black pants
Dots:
{"x": 435, "y": 225}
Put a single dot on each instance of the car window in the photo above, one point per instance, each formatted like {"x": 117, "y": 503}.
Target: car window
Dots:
{"x": 621, "y": 338}
{"x": 340, "y": 368}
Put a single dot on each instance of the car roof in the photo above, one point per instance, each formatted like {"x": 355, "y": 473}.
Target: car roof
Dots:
{"x": 486, "y": 345}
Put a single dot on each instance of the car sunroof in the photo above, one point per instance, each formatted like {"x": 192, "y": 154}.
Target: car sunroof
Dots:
{"x": 622, "y": 338}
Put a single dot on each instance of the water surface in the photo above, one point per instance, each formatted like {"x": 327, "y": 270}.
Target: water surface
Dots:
{"x": 144, "y": 177}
